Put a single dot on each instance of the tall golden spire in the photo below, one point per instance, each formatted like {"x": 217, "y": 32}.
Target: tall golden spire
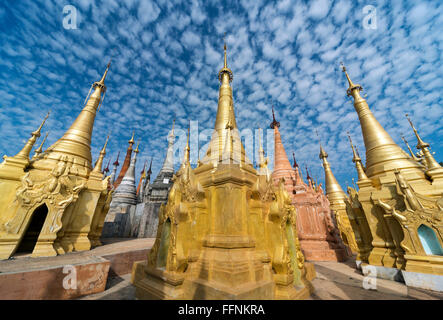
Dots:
{"x": 131, "y": 141}
{"x": 262, "y": 160}
{"x": 382, "y": 153}
{"x": 224, "y": 47}
{"x": 423, "y": 146}
{"x": 186, "y": 156}
{"x": 357, "y": 160}
{"x": 40, "y": 147}
{"x": 333, "y": 188}
{"x": 24, "y": 153}
{"x": 413, "y": 156}
{"x": 142, "y": 177}
{"x": 76, "y": 142}
{"x": 102, "y": 80}
{"x": 136, "y": 148}
{"x": 99, "y": 163}
{"x": 225, "y": 124}
{"x": 261, "y": 152}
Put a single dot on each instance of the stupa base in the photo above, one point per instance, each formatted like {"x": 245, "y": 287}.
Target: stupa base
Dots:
{"x": 425, "y": 272}
{"x": 423, "y": 280}
{"x": 381, "y": 272}
{"x": 156, "y": 284}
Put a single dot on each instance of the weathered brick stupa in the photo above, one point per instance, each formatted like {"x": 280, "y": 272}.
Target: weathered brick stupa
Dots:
{"x": 121, "y": 220}
{"x": 226, "y": 232}
{"x": 317, "y": 231}
{"x": 56, "y": 201}
{"x": 126, "y": 163}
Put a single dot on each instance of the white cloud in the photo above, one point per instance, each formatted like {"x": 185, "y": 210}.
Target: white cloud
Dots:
{"x": 148, "y": 11}
{"x": 166, "y": 57}
{"x": 319, "y": 8}
{"x": 190, "y": 39}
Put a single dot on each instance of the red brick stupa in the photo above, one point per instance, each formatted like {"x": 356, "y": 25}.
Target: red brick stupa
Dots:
{"x": 125, "y": 163}
{"x": 317, "y": 231}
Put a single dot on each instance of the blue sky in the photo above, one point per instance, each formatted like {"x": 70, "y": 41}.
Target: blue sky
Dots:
{"x": 166, "y": 56}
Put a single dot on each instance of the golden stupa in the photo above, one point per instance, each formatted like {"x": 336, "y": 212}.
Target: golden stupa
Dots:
{"x": 56, "y": 201}
{"x": 337, "y": 203}
{"x": 397, "y": 213}
{"x": 225, "y": 232}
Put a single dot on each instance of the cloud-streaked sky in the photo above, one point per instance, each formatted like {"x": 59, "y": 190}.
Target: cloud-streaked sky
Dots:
{"x": 166, "y": 56}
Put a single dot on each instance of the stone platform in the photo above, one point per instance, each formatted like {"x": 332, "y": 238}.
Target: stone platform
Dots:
{"x": 334, "y": 281}
{"x": 26, "y": 278}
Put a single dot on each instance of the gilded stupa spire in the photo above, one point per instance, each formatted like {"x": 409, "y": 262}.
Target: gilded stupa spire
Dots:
{"x": 431, "y": 164}
{"x": 76, "y": 142}
{"x": 262, "y": 160}
{"x": 143, "y": 172}
{"x": 413, "y": 156}
{"x": 261, "y": 152}
{"x": 225, "y": 69}
{"x": 333, "y": 188}
{"x": 147, "y": 180}
{"x": 225, "y": 55}
{"x": 352, "y": 87}
{"x": 99, "y": 163}
{"x": 186, "y": 158}
{"x": 357, "y": 160}
{"x": 24, "y": 153}
{"x": 382, "y": 153}
{"x": 140, "y": 182}
{"x": 39, "y": 150}
{"x": 131, "y": 141}
{"x": 226, "y": 135}
{"x": 136, "y": 148}
{"x": 102, "y": 80}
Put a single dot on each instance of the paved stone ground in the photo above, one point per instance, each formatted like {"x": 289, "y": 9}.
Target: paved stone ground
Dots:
{"x": 341, "y": 281}
{"x": 334, "y": 281}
